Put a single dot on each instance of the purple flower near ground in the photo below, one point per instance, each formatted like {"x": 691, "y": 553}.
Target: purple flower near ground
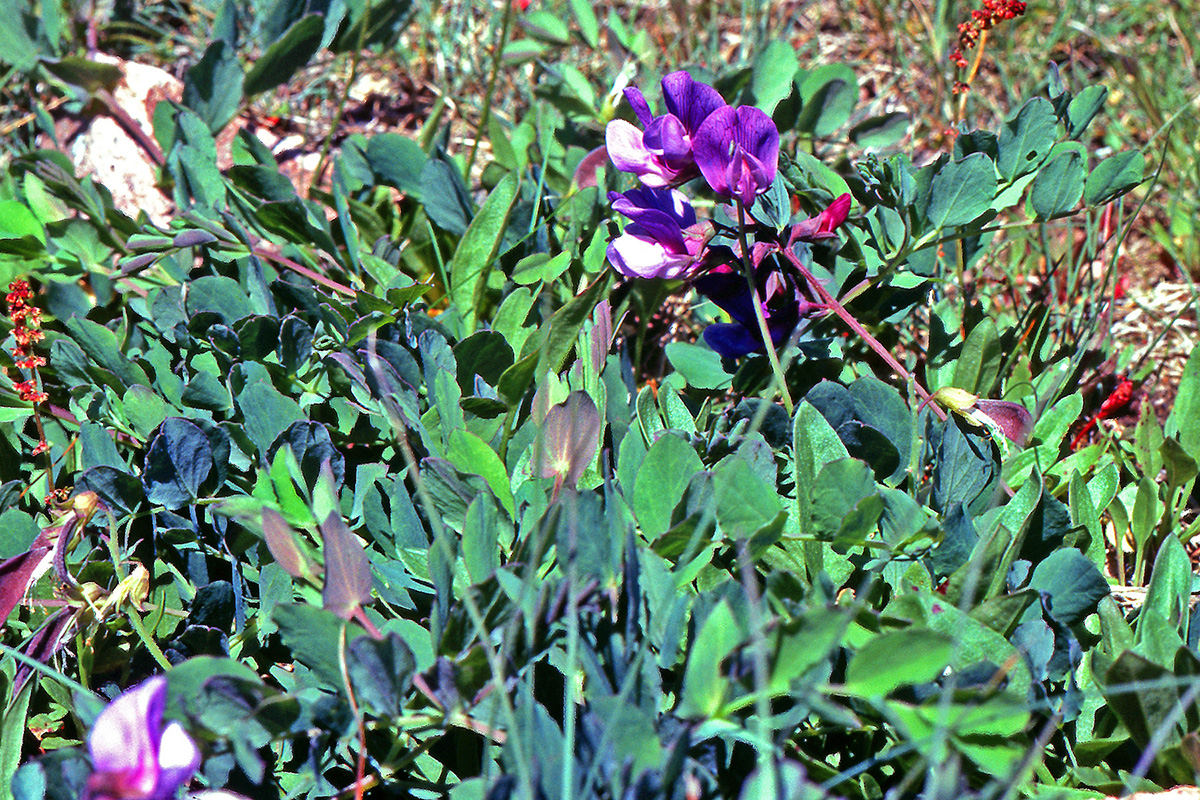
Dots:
{"x": 661, "y": 154}
{"x": 133, "y": 756}
{"x": 784, "y": 306}
{"x": 737, "y": 151}
{"x": 663, "y": 238}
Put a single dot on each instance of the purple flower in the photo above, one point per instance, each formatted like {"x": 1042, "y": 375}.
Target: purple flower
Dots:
{"x": 133, "y": 756}
{"x": 783, "y": 304}
{"x": 661, "y": 155}
{"x": 823, "y": 225}
{"x": 663, "y": 238}
{"x": 737, "y": 150}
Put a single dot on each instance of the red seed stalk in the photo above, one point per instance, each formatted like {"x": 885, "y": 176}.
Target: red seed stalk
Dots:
{"x": 973, "y": 33}
{"x": 27, "y": 330}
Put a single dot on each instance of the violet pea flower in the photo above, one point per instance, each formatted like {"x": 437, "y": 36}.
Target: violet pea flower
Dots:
{"x": 737, "y": 151}
{"x": 823, "y": 225}
{"x": 783, "y": 304}
{"x": 661, "y": 154}
{"x": 134, "y": 757}
{"x": 662, "y": 239}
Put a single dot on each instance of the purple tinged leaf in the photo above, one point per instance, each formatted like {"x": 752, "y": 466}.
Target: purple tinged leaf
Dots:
{"x": 586, "y": 173}
{"x": 601, "y": 337}
{"x": 570, "y": 438}
{"x": 282, "y": 544}
{"x": 1013, "y": 419}
{"x": 347, "y": 571}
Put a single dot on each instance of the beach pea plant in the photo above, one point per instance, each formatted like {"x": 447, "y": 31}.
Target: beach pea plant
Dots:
{"x": 396, "y": 489}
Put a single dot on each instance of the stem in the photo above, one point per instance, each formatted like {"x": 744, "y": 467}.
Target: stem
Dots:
{"x": 760, "y": 315}
{"x": 491, "y": 88}
{"x": 355, "y": 57}
{"x": 833, "y": 305}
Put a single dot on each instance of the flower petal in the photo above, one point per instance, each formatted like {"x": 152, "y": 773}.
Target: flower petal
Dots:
{"x": 629, "y": 154}
{"x": 690, "y": 100}
{"x": 178, "y": 760}
{"x": 737, "y": 151}
{"x": 124, "y": 739}
{"x": 643, "y": 257}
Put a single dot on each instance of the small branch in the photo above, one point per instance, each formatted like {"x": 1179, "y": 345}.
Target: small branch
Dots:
{"x": 833, "y": 305}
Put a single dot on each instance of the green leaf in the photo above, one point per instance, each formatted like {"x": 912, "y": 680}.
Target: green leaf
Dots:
{"x": 876, "y": 133}
{"x": 1113, "y": 177}
{"x": 828, "y": 95}
{"x": 900, "y": 658}
{"x": 314, "y": 636}
{"x": 178, "y": 461}
{"x": 218, "y": 295}
{"x": 744, "y": 501}
{"x": 102, "y": 347}
{"x": 979, "y": 363}
{"x": 1026, "y": 138}
{"x": 700, "y": 366}
{"x": 267, "y": 413}
{"x": 397, "y": 161}
{"x": 213, "y": 87}
{"x": 961, "y": 191}
{"x": 540, "y": 267}
{"x": 286, "y": 55}
{"x": 666, "y": 471}
{"x": 771, "y": 79}
{"x": 585, "y": 18}
{"x": 547, "y": 26}
{"x": 18, "y": 222}
{"x": 1058, "y": 186}
{"x": 380, "y": 672}
{"x": 481, "y": 538}
{"x": 478, "y": 247}
{"x": 1184, "y": 419}
{"x": 472, "y": 455}
{"x": 1074, "y": 583}
{"x": 1083, "y": 108}
{"x": 91, "y": 76}
{"x": 1142, "y": 694}
{"x": 12, "y": 734}
{"x": 547, "y": 349}
{"x": 704, "y": 686}
{"x": 1162, "y": 624}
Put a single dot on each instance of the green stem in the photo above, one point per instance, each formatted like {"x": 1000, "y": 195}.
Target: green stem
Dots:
{"x": 484, "y": 117}
{"x": 46, "y": 670}
{"x": 763, "y": 329}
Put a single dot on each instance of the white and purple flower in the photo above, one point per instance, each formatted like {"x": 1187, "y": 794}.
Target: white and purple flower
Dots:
{"x": 663, "y": 238}
{"x": 134, "y": 757}
{"x": 660, "y": 154}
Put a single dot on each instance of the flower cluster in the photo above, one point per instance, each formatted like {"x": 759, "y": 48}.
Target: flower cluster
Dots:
{"x": 737, "y": 266}
{"x": 992, "y": 14}
{"x": 27, "y": 329}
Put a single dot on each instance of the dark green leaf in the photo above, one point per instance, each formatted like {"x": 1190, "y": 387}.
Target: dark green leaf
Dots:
{"x": 286, "y": 55}
{"x": 1113, "y": 177}
{"x": 213, "y": 87}
{"x": 961, "y": 191}
{"x": 1058, "y": 186}
{"x": 1026, "y": 138}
